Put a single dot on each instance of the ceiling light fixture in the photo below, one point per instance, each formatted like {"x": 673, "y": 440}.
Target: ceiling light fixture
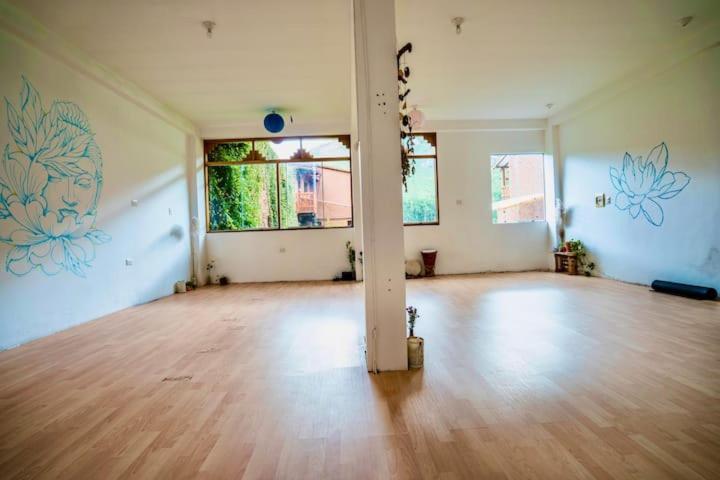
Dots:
{"x": 209, "y": 27}
{"x": 458, "y": 21}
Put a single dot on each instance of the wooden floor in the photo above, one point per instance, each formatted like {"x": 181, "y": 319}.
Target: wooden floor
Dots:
{"x": 531, "y": 375}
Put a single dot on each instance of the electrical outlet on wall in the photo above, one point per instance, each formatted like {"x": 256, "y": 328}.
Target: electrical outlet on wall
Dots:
{"x": 600, "y": 200}
{"x": 282, "y": 250}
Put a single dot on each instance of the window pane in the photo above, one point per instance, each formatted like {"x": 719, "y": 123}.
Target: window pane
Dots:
{"x": 325, "y": 148}
{"x": 518, "y": 188}
{"x": 316, "y": 194}
{"x": 242, "y": 197}
{"x": 421, "y": 145}
{"x": 420, "y": 199}
{"x": 230, "y": 152}
{"x": 280, "y": 149}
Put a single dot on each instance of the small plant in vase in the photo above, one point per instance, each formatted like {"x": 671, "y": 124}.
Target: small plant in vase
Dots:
{"x": 209, "y": 269}
{"x": 415, "y": 345}
{"x": 413, "y": 315}
{"x": 350, "y": 274}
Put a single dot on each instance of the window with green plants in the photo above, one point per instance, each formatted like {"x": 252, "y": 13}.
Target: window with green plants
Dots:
{"x": 420, "y": 195}
{"x": 278, "y": 183}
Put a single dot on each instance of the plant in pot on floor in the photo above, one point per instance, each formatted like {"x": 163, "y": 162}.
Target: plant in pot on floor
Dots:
{"x": 350, "y": 250}
{"x": 221, "y": 279}
{"x": 209, "y": 269}
{"x": 415, "y": 345}
{"x": 578, "y": 248}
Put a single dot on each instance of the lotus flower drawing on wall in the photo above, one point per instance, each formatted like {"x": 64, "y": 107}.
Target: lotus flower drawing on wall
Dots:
{"x": 50, "y": 184}
{"x": 644, "y": 184}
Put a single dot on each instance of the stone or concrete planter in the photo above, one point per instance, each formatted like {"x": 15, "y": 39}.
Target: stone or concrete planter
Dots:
{"x": 416, "y": 352}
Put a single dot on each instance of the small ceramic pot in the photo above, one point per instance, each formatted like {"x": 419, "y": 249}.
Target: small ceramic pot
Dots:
{"x": 416, "y": 352}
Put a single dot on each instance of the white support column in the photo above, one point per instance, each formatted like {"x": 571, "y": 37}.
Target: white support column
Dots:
{"x": 355, "y": 156}
{"x": 196, "y": 188}
{"x": 375, "y": 50}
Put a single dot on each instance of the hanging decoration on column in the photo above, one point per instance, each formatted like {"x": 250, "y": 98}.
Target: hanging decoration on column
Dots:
{"x": 407, "y": 146}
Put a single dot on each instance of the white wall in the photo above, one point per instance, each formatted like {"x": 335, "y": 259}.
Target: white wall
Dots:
{"x": 466, "y": 239}
{"x": 257, "y": 256}
{"x": 679, "y": 106}
{"x": 144, "y": 157}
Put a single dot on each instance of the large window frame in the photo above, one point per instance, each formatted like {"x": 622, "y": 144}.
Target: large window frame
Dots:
{"x": 431, "y": 138}
{"x": 300, "y": 156}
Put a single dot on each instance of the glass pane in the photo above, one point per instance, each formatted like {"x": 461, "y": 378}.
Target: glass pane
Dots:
{"x": 281, "y": 149}
{"x": 421, "y": 145}
{"x": 518, "y": 188}
{"x": 242, "y": 197}
{"x": 325, "y": 148}
{"x": 316, "y": 194}
{"x": 420, "y": 199}
{"x": 230, "y": 152}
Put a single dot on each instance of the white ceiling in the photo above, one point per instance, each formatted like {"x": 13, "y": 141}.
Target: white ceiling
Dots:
{"x": 513, "y": 57}
{"x": 290, "y": 54}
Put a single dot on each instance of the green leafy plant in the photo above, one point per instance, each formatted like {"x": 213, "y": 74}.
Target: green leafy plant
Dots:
{"x": 578, "y": 248}
{"x": 244, "y": 196}
{"x": 350, "y": 255}
{"x": 413, "y": 315}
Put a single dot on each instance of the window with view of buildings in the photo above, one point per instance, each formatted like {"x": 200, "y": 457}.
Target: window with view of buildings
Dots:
{"x": 518, "y": 188}
{"x": 420, "y": 199}
{"x": 278, "y": 183}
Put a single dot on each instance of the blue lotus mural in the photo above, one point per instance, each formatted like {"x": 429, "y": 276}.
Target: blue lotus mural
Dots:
{"x": 50, "y": 183}
{"x": 643, "y": 184}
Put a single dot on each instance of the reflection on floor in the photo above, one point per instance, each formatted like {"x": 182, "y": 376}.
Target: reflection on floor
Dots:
{"x": 532, "y": 375}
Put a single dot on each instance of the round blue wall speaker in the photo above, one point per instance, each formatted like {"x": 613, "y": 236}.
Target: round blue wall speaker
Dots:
{"x": 274, "y": 123}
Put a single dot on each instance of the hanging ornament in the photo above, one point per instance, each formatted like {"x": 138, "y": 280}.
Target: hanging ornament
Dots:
{"x": 406, "y": 125}
{"x": 417, "y": 118}
{"x": 273, "y": 122}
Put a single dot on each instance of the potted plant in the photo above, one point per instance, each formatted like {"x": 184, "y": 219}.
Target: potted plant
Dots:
{"x": 415, "y": 345}
{"x": 350, "y": 251}
{"x": 209, "y": 269}
{"x": 578, "y": 248}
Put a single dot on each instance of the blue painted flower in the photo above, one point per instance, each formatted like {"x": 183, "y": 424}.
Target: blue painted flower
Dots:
{"x": 642, "y": 183}
{"x": 50, "y": 183}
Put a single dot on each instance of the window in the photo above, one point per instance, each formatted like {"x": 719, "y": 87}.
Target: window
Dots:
{"x": 518, "y": 188}
{"x": 420, "y": 199}
{"x": 278, "y": 183}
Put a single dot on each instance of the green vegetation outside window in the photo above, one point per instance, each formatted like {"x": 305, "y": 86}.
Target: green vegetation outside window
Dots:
{"x": 420, "y": 199}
